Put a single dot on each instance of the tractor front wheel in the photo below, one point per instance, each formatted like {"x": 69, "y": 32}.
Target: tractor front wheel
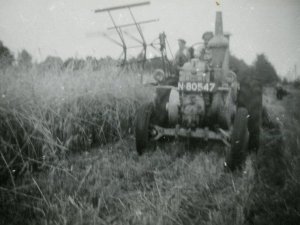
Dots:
{"x": 142, "y": 127}
{"x": 239, "y": 140}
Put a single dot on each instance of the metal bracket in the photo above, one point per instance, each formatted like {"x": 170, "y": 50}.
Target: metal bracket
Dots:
{"x": 226, "y": 137}
{"x": 201, "y": 133}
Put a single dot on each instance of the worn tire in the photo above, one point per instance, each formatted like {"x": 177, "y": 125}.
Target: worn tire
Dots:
{"x": 239, "y": 140}
{"x": 142, "y": 127}
{"x": 250, "y": 97}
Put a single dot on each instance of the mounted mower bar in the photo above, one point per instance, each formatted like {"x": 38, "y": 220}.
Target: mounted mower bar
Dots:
{"x": 204, "y": 134}
{"x": 121, "y": 7}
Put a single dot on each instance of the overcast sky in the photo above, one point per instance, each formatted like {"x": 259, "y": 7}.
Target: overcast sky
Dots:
{"x": 68, "y": 28}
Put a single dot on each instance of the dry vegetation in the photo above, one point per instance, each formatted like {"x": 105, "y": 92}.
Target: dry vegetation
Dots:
{"x": 42, "y": 115}
{"x": 68, "y": 157}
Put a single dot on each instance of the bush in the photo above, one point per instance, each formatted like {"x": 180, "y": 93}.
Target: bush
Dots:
{"x": 6, "y": 58}
{"x": 296, "y": 83}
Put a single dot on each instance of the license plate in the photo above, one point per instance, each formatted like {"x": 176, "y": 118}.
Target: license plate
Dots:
{"x": 196, "y": 86}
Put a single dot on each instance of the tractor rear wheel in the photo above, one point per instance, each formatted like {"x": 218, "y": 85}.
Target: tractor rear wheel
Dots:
{"x": 239, "y": 140}
{"x": 142, "y": 127}
{"x": 250, "y": 97}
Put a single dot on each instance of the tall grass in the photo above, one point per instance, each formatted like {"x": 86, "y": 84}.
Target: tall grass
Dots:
{"x": 47, "y": 116}
{"x": 112, "y": 185}
{"x": 274, "y": 198}
{"x": 43, "y": 116}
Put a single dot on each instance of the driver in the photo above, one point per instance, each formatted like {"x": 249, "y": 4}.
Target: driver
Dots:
{"x": 181, "y": 56}
{"x": 204, "y": 52}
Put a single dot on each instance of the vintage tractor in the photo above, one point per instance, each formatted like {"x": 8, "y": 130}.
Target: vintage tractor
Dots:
{"x": 201, "y": 103}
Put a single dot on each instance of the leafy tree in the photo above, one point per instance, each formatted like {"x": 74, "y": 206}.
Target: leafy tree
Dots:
{"x": 239, "y": 66}
{"x": 285, "y": 81}
{"x": 264, "y": 70}
{"x": 6, "y": 58}
{"x": 296, "y": 83}
{"x": 24, "y": 59}
{"x": 52, "y": 63}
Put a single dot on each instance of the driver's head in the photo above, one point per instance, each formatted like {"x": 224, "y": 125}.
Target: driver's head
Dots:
{"x": 181, "y": 44}
{"x": 207, "y": 36}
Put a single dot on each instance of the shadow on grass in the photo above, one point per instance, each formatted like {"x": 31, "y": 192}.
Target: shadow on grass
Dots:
{"x": 274, "y": 198}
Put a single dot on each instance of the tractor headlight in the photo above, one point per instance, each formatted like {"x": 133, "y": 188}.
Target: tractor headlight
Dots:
{"x": 159, "y": 75}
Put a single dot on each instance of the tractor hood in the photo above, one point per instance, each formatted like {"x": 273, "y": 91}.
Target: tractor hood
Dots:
{"x": 219, "y": 43}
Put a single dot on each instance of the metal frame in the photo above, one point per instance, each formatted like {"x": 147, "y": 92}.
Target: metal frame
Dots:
{"x": 133, "y": 24}
{"x": 202, "y": 133}
{"x": 120, "y": 32}
{"x": 122, "y": 7}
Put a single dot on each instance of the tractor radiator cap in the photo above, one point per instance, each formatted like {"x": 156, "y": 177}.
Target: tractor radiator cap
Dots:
{"x": 218, "y": 41}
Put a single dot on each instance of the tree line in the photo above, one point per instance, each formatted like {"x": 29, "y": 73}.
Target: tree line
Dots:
{"x": 23, "y": 60}
{"x": 261, "y": 69}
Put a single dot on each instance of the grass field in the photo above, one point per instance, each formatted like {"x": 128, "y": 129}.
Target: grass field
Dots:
{"x": 68, "y": 157}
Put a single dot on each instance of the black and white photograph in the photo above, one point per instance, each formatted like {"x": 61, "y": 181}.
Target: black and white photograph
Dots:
{"x": 149, "y": 112}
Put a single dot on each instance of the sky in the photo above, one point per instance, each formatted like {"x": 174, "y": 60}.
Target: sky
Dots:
{"x": 69, "y": 28}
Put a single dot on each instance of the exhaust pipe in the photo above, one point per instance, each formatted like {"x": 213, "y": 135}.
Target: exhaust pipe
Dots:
{"x": 219, "y": 43}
